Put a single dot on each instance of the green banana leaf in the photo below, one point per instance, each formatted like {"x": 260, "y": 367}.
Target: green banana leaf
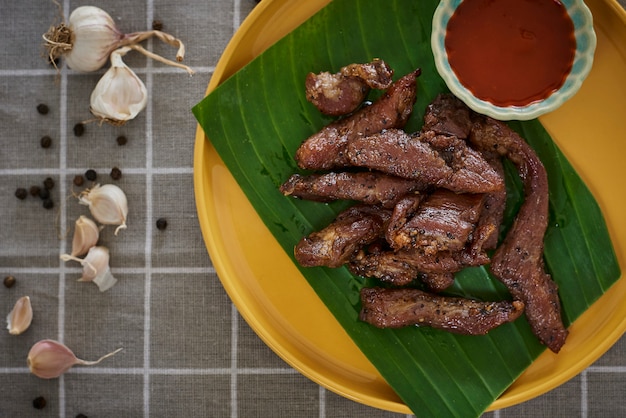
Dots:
{"x": 257, "y": 119}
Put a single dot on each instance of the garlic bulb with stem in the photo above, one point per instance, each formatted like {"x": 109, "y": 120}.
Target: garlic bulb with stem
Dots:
{"x": 49, "y": 359}
{"x": 90, "y": 35}
{"x": 95, "y": 267}
{"x": 120, "y": 94}
{"x": 107, "y": 204}
{"x": 20, "y": 317}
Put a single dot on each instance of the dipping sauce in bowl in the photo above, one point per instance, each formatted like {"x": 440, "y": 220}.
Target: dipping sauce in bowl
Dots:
{"x": 513, "y": 59}
{"x": 511, "y": 52}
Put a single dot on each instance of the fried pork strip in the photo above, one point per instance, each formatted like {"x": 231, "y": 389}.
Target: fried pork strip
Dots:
{"x": 395, "y": 308}
{"x": 393, "y": 151}
{"x": 368, "y": 187}
{"x": 518, "y": 262}
{"x": 341, "y": 93}
{"x": 334, "y": 245}
{"x": 443, "y": 221}
{"x": 403, "y": 266}
{"x": 325, "y": 150}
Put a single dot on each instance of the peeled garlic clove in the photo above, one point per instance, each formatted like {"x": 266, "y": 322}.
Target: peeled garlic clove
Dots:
{"x": 86, "y": 234}
{"x": 120, "y": 94}
{"x": 20, "y": 317}
{"x": 107, "y": 204}
{"x": 49, "y": 359}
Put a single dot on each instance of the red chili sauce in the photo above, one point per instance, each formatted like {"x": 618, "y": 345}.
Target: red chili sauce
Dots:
{"x": 511, "y": 52}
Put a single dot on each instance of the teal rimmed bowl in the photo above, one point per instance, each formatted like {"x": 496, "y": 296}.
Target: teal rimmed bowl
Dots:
{"x": 583, "y": 61}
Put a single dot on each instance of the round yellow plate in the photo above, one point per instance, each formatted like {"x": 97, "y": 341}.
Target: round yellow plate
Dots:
{"x": 278, "y": 303}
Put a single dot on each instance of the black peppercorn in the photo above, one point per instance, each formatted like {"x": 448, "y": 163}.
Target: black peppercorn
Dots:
{"x": 157, "y": 25}
{"x": 48, "y": 204}
{"x": 161, "y": 224}
{"x": 121, "y": 140}
{"x": 43, "y": 109}
{"x": 46, "y": 141}
{"x": 78, "y": 180}
{"x": 21, "y": 193}
{"x": 9, "y": 281}
{"x": 39, "y": 402}
{"x": 79, "y": 129}
{"x": 35, "y": 190}
{"x": 48, "y": 183}
{"x": 81, "y": 416}
{"x": 44, "y": 194}
{"x": 116, "y": 173}
{"x": 91, "y": 175}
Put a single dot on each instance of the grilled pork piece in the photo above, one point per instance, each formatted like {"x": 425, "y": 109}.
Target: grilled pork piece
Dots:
{"x": 325, "y": 150}
{"x": 393, "y": 151}
{"x": 393, "y": 266}
{"x": 341, "y": 93}
{"x": 334, "y": 245}
{"x": 444, "y": 221}
{"x": 368, "y": 187}
{"x": 395, "y": 308}
{"x": 518, "y": 262}
{"x": 447, "y": 115}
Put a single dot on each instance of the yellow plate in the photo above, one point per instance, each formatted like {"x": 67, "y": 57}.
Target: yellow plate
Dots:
{"x": 262, "y": 281}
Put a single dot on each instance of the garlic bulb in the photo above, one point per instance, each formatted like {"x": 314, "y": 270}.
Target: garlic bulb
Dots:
{"x": 86, "y": 234}
{"x": 49, "y": 359}
{"x": 90, "y": 35}
{"x": 107, "y": 204}
{"x": 95, "y": 267}
{"x": 120, "y": 94}
{"x": 20, "y": 317}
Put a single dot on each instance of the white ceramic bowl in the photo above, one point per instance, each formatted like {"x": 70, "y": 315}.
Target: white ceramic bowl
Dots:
{"x": 583, "y": 60}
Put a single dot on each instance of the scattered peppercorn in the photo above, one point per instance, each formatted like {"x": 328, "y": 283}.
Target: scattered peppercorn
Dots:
{"x": 43, "y": 109}
{"x": 91, "y": 175}
{"x": 39, "y": 402}
{"x": 161, "y": 224}
{"x": 157, "y": 24}
{"x": 34, "y": 191}
{"x": 116, "y": 173}
{"x": 79, "y": 129}
{"x": 21, "y": 193}
{"x": 9, "y": 282}
{"x": 44, "y": 194}
{"x": 81, "y": 416}
{"x": 78, "y": 180}
{"x": 48, "y": 183}
{"x": 48, "y": 204}
{"x": 121, "y": 140}
{"x": 46, "y": 141}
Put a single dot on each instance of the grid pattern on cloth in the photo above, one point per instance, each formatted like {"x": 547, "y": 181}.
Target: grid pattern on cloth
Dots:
{"x": 187, "y": 352}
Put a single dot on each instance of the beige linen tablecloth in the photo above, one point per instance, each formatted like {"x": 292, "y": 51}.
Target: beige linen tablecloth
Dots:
{"x": 186, "y": 351}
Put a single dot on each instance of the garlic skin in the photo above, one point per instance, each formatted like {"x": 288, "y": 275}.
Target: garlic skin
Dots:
{"x": 95, "y": 267}
{"x": 107, "y": 204}
{"x": 93, "y": 36}
{"x": 20, "y": 317}
{"x": 86, "y": 235}
{"x": 120, "y": 94}
{"x": 49, "y": 359}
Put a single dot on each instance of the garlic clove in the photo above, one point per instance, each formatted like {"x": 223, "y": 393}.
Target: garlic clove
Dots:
{"x": 86, "y": 234}
{"x": 120, "y": 94}
{"x": 49, "y": 359}
{"x": 20, "y": 317}
{"x": 95, "y": 267}
{"x": 107, "y": 204}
